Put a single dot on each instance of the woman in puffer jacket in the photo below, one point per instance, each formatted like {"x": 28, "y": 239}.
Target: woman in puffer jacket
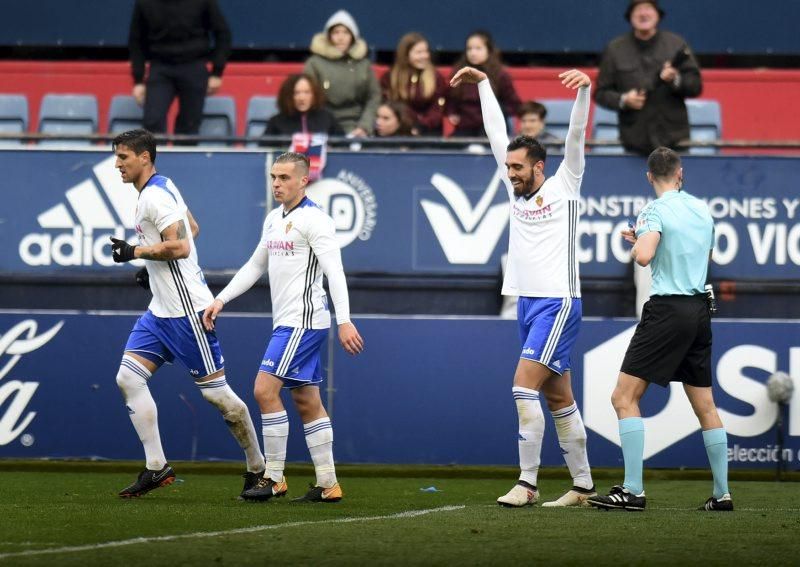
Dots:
{"x": 340, "y": 65}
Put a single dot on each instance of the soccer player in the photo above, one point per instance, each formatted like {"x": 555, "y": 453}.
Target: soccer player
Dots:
{"x": 172, "y": 326}
{"x": 298, "y": 244}
{"x": 543, "y": 271}
{"x": 674, "y": 235}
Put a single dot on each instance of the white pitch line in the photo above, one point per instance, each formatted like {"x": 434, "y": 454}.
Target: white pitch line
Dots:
{"x": 253, "y": 529}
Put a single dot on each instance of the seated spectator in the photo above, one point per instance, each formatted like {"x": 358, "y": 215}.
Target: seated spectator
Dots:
{"x": 394, "y": 119}
{"x": 414, "y": 81}
{"x": 339, "y": 64}
{"x": 301, "y": 109}
{"x": 531, "y": 116}
{"x": 463, "y": 106}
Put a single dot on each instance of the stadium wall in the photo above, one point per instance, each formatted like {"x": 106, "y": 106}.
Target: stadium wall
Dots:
{"x": 548, "y": 26}
{"x": 425, "y": 390}
{"x": 754, "y": 102}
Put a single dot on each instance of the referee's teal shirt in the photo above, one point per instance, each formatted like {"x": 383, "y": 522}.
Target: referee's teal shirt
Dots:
{"x": 680, "y": 264}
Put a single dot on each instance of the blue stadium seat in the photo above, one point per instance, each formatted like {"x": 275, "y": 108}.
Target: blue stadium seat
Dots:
{"x": 13, "y": 116}
{"x": 219, "y": 118}
{"x": 604, "y": 127}
{"x": 68, "y": 114}
{"x": 259, "y": 110}
{"x": 705, "y": 124}
{"x": 558, "y": 112}
{"x": 124, "y": 114}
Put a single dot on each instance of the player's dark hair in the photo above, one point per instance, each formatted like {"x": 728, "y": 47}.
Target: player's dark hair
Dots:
{"x": 138, "y": 140}
{"x": 663, "y": 163}
{"x": 535, "y": 150}
{"x": 294, "y": 157}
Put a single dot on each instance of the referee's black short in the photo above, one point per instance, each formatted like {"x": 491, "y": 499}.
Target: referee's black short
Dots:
{"x": 672, "y": 342}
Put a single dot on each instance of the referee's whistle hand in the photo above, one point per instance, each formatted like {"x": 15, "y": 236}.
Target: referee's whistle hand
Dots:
{"x": 351, "y": 341}
{"x": 210, "y": 314}
{"x": 629, "y": 235}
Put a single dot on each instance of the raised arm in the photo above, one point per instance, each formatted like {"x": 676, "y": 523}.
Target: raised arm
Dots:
{"x": 571, "y": 169}
{"x": 493, "y": 120}
{"x": 578, "y": 120}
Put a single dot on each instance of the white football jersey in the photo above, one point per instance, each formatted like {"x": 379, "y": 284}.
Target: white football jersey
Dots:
{"x": 542, "y": 239}
{"x": 294, "y": 239}
{"x": 178, "y": 286}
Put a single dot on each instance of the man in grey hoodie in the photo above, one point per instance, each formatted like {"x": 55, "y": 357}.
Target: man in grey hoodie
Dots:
{"x": 339, "y": 63}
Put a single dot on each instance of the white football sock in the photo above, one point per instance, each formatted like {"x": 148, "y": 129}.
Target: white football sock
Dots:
{"x": 531, "y": 432}
{"x": 132, "y": 381}
{"x": 275, "y": 430}
{"x": 219, "y": 394}
{"x": 572, "y": 438}
{"x": 319, "y": 438}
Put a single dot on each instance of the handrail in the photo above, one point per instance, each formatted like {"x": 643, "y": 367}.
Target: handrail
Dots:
{"x": 420, "y": 142}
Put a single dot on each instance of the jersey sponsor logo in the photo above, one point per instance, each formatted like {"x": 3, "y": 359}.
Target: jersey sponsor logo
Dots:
{"x": 280, "y": 248}
{"x": 557, "y": 363}
{"x": 269, "y": 363}
{"x": 76, "y": 233}
{"x": 350, "y": 202}
{"x": 467, "y": 234}
{"x": 534, "y": 215}
{"x": 15, "y": 395}
{"x": 528, "y": 351}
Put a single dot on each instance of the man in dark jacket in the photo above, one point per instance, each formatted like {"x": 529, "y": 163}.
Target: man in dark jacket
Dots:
{"x": 645, "y": 75}
{"x": 175, "y": 36}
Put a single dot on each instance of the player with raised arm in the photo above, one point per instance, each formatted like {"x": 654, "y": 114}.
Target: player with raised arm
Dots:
{"x": 298, "y": 245}
{"x": 172, "y": 326}
{"x": 543, "y": 271}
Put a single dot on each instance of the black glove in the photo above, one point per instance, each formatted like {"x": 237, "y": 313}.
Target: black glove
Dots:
{"x": 121, "y": 251}
{"x": 143, "y": 278}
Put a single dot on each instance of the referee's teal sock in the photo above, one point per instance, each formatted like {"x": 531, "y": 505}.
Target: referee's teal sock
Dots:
{"x": 716, "y": 442}
{"x": 631, "y": 434}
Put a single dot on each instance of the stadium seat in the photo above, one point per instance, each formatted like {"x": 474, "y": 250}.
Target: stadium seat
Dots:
{"x": 259, "y": 110}
{"x": 705, "y": 124}
{"x": 558, "y": 112}
{"x": 604, "y": 127}
{"x": 124, "y": 114}
{"x": 219, "y": 118}
{"x": 13, "y": 116}
{"x": 68, "y": 114}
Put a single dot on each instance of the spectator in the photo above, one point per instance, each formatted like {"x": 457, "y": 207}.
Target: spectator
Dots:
{"x": 339, "y": 63}
{"x": 301, "y": 109}
{"x": 463, "y": 106}
{"x": 394, "y": 119}
{"x": 531, "y": 116}
{"x": 176, "y": 37}
{"x": 414, "y": 80}
{"x": 645, "y": 75}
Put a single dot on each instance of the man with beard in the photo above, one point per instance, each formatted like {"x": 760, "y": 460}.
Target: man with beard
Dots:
{"x": 543, "y": 272}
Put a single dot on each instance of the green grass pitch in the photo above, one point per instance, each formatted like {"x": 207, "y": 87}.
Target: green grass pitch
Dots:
{"x": 72, "y": 516}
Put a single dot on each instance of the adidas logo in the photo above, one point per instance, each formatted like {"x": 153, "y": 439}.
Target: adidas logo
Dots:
{"x": 77, "y": 231}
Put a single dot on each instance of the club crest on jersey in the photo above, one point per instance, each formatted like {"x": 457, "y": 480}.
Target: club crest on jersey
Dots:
{"x": 539, "y": 200}
{"x": 288, "y": 227}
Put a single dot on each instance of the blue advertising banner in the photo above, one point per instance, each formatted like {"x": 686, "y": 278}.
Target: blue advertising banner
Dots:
{"x": 398, "y": 213}
{"x": 426, "y": 390}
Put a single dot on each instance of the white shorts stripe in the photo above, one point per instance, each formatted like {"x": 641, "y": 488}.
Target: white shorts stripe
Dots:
{"x": 291, "y": 349}
{"x": 555, "y": 332}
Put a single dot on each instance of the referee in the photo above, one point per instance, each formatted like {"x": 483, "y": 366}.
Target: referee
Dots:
{"x": 674, "y": 235}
